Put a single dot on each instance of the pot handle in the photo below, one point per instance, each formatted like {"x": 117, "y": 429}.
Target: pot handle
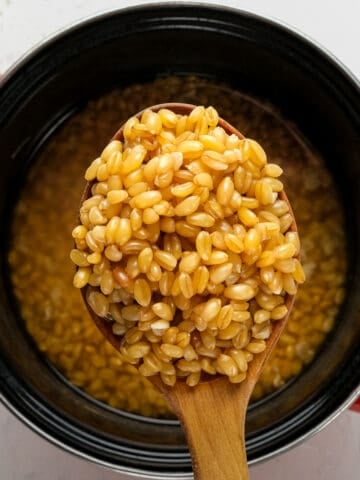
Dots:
{"x": 355, "y": 407}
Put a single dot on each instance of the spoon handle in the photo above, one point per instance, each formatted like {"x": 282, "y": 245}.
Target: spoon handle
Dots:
{"x": 213, "y": 418}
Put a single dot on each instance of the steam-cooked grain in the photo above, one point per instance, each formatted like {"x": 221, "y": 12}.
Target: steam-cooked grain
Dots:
{"x": 193, "y": 201}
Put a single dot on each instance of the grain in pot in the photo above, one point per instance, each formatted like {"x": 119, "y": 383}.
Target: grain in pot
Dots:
{"x": 228, "y": 216}
{"x": 60, "y": 324}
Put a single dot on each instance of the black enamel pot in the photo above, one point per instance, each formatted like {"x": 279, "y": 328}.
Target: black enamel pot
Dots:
{"x": 251, "y": 54}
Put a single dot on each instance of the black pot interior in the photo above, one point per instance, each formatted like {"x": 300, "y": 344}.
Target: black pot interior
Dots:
{"x": 136, "y": 45}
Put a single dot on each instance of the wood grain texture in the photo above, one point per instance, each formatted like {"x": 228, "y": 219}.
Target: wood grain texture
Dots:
{"x": 213, "y": 417}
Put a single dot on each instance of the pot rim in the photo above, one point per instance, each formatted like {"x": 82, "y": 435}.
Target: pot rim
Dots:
{"x": 92, "y": 18}
{"x": 60, "y": 33}
{"x": 134, "y": 472}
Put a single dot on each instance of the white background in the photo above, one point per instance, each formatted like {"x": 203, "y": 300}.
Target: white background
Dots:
{"x": 334, "y": 453}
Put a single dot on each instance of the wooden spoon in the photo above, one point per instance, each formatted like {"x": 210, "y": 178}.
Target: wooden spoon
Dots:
{"x": 212, "y": 413}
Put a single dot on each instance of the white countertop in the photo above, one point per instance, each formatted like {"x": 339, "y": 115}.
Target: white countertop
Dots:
{"x": 332, "y": 454}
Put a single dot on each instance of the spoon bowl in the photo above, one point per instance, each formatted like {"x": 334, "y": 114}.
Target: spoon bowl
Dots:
{"x": 212, "y": 413}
